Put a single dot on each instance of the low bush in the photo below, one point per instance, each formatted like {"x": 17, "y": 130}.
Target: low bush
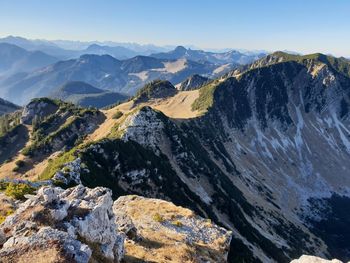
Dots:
{"x": 177, "y": 223}
{"x": 158, "y": 218}
{"x": 18, "y": 191}
{"x": 20, "y": 163}
{"x": 117, "y": 115}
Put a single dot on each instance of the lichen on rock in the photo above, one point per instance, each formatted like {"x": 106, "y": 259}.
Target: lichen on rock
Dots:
{"x": 77, "y": 224}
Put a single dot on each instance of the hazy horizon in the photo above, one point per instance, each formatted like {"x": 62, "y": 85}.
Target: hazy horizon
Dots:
{"x": 299, "y": 26}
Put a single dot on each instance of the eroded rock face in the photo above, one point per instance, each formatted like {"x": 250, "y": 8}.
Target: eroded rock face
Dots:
{"x": 163, "y": 232}
{"x": 76, "y": 225}
{"x": 144, "y": 126}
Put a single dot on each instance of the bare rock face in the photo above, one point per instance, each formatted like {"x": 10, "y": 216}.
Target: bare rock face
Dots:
{"x": 144, "y": 126}
{"x": 40, "y": 108}
{"x": 56, "y": 225}
{"x": 70, "y": 173}
{"x": 313, "y": 259}
{"x": 168, "y": 233}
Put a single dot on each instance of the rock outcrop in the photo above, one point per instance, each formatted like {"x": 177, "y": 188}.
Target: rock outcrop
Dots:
{"x": 39, "y": 108}
{"x": 56, "y": 225}
{"x": 313, "y": 259}
{"x": 137, "y": 127}
{"x": 159, "y": 231}
{"x": 83, "y": 225}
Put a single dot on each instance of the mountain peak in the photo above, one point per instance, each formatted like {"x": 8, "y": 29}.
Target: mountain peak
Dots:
{"x": 193, "y": 82}
{"x": 154, "y": 90}
{"x": 180, "y": 49}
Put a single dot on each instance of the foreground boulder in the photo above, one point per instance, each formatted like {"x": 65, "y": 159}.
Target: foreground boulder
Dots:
{"x": 313, "y": 259}
{"x": 159, "y": 231}
{"x": 56, "y": 225}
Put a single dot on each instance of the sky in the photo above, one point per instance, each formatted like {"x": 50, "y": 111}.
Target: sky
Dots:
{"x": 305, "y": 26}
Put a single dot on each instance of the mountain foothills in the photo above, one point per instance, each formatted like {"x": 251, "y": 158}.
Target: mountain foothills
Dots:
{"x": 16, "y": 60}
{"x": 262, "y": 151}
{"x": 83, "y": 94}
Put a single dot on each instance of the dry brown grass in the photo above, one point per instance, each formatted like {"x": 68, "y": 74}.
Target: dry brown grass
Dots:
{"x": 160, "y": 241}
{"x": 49, "y": 253}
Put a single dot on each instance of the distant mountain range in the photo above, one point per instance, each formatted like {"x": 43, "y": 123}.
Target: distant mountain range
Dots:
{"x": 231, "y": 56}
{"x": 72, "y": 49}
{"x": 14, "y": 59}
{"x": 83, "y": 94}
{"x": 104, "y": 72}
{"x": 35, "y": 68}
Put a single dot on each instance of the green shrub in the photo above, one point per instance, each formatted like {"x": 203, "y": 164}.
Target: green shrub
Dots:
{"x": 5, "y": 214}
{"x": 117, "y": 115}
{"x": 57, "y": 163}
{"x": 18, "y": 191}
{"x": 20, "y": 163}
{"x": 206, "y": 97}
{"x": 158, "y": 218}
{"x": 177, "y": 223}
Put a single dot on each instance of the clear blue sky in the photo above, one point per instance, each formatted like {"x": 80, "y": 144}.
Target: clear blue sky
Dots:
{"x": 299, "y": 25}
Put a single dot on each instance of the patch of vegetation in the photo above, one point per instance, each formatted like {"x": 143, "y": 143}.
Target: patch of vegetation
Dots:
{"x": 57, "y": 163}
{"x": 46, "y": 132}
{"x": 117, "y": 115}
{"x": 154, "y": 88}
{"x": 206, "y": 97}
{"x": 20, "y": 163}
{"x": 18, "y": 190}
{"x": 5, "y": 214}
{"x": 158, "y": 218}
{"x": 8, "y": 122}
{"x": 177, "y": 223}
